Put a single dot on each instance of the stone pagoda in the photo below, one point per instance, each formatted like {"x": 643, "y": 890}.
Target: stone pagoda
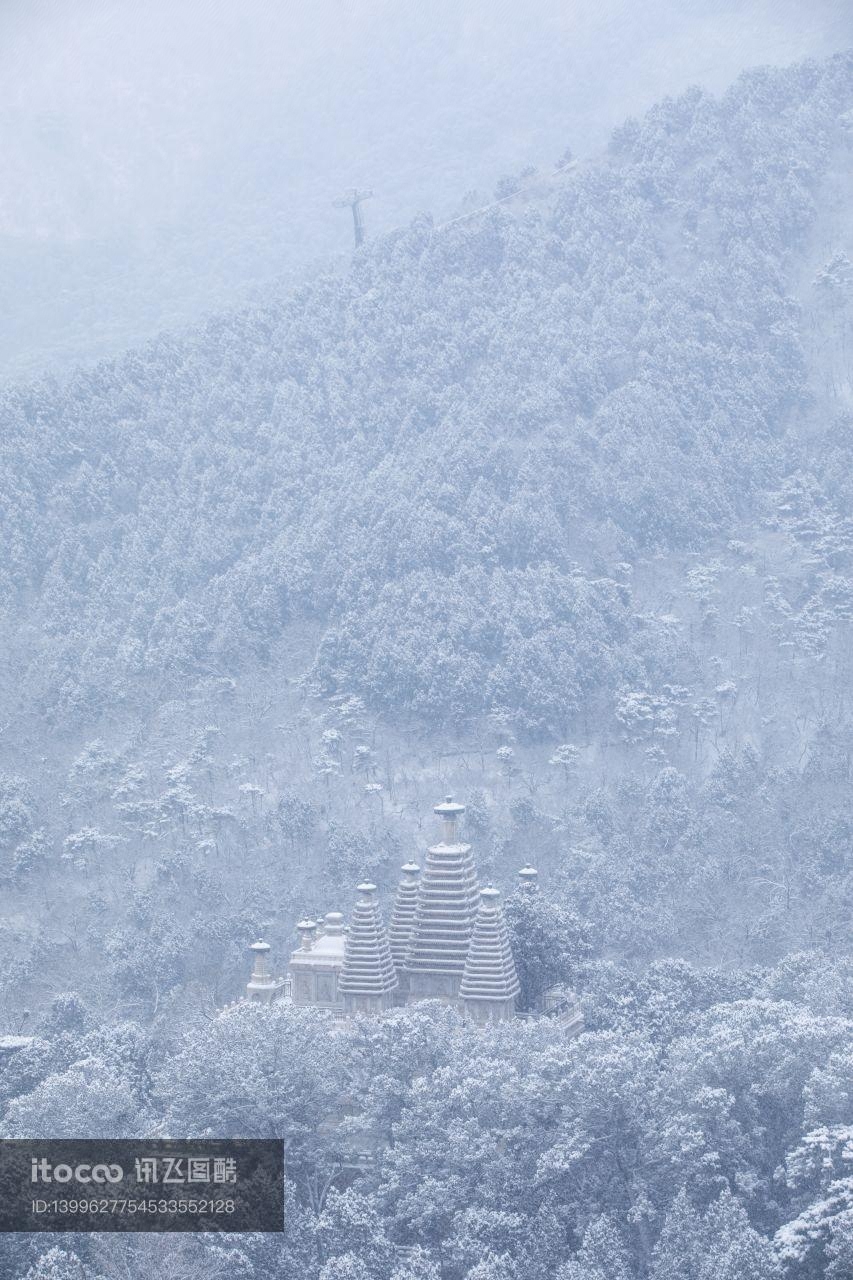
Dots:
{"x": 489, "y": 980}
{"x": 445, "y": 911}
{"x": 368, "y": 978}
{"x": 402, "y": 925}
{"x": 262, "y": 986}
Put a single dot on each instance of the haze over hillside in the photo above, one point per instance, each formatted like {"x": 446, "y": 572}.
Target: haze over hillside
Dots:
{"x": 520, "y": 403}
{"x": 164, "y": 161}
{"x": 576, "y": 470}
{"x": 548, "y": 506}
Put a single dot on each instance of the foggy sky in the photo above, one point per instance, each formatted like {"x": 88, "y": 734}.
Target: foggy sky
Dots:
{"x": 209, "y": 138}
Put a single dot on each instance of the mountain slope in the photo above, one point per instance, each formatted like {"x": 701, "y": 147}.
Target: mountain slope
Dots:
{"x": 444, "y": 456}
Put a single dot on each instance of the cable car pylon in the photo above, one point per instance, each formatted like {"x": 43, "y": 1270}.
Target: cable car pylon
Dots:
{"x": 353, "y": 199}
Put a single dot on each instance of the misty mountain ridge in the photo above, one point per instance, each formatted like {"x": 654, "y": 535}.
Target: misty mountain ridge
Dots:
{"x": 443, "y": 457}
{"x": 151, "y": 182}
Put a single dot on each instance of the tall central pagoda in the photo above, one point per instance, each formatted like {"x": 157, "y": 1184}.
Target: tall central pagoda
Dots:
{"x": 445, "y": 911}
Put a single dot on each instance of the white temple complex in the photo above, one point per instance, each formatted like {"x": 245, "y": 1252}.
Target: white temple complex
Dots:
{"x": 447, "y": 940}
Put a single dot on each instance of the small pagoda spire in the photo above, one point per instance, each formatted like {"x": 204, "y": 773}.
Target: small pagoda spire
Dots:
{"x": 307, "y": 930}
{"x": 528, "y": 877}
{"x": 367, "y": 979}
{"x": 262, "y": 986}
{"x": 450, "y": 812}
{"x": 490, "y": 982}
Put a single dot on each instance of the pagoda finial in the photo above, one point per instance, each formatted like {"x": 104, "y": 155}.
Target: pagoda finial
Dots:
{"x": 261, "y": 985}
{"x": 261, "y": 951}
{"x": 307, "y": 930}
{"x": 528, "y": 877}
{"x": 450, "y": 812}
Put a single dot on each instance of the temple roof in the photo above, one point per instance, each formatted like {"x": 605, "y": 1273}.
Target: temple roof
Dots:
{"x": 325, "y": 951}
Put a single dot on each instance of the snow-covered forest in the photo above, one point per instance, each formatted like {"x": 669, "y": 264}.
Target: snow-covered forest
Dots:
{"x": 550, "y": 506}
